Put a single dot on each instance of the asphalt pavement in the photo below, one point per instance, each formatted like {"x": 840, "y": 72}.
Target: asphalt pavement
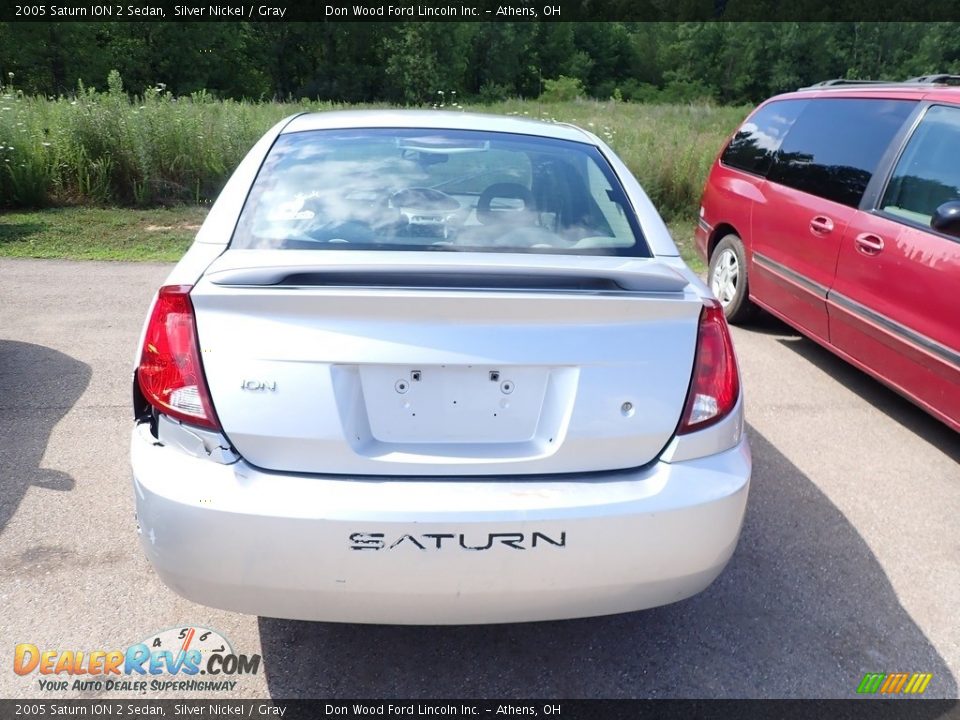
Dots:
{"x": 849, "y": 561}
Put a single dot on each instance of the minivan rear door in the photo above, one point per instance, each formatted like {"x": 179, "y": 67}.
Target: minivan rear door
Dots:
{"x": 796, "y": 242}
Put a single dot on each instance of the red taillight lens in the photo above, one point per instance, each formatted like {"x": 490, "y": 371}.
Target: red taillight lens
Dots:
{"x": 170, "y": 374}
{"x": 716, "y": 383}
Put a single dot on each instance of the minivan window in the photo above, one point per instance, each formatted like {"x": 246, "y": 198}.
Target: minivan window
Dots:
{"x": 753, "y": 146}
{"x": 835, "y": 145}
{"x": 928, "y": 173}
{"x": 438, "y": 190}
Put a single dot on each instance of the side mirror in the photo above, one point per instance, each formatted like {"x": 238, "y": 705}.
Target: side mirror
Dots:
{"x": 946, "y": 219}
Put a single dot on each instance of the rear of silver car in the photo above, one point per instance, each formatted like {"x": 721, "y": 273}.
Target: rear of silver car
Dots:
{"x": 436, "y": 433}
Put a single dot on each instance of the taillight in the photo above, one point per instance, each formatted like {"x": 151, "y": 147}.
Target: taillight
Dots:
{"x": 170, "y": 373}
{"x": 716, "y": 384}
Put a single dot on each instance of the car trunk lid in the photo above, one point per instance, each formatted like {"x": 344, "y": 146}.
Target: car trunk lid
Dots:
{"x": 418, "y": 364}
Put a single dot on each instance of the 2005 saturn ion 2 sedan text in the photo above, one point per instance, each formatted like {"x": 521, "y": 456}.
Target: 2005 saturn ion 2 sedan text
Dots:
{"x": 436, "y": 368}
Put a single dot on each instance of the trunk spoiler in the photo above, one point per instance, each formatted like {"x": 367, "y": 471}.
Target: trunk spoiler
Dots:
{"x": 457, "y": 272}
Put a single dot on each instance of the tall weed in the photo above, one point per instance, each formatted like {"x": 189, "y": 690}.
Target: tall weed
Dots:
{"x": 156, "y": 149}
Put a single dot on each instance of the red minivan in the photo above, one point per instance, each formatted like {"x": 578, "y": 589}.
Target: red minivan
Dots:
{"x": 837, "y": 209}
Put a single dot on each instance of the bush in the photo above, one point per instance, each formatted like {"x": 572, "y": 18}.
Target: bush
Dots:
{"x": 679, "y": 91}
{"x": 634, "y": 91}
{"x": 563, "y": 89}
{"x": 491, "y": 92}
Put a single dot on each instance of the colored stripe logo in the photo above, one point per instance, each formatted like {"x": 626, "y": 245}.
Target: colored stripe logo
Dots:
{"x": 894, "y": 683}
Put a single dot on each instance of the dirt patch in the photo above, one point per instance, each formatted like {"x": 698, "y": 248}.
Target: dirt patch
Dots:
{"x": 179, "y": 226}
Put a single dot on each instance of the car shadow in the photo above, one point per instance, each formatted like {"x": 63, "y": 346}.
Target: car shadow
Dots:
{"x": 803, "y": 610}
{"x": 38, "y": 386}
{"x": 766, "y": 324}
{"x": 877, "y": 394}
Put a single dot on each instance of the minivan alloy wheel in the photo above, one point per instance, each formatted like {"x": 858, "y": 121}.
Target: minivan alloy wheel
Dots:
{"x": 725, "y": 277}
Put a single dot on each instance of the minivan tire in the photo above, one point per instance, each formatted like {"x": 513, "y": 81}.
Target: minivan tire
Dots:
{"x": 727, "y": 278}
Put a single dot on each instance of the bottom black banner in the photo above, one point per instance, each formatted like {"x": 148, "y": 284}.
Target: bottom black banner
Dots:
{"x": 568, "y": 709}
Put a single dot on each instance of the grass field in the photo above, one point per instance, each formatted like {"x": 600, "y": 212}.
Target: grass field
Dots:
{"x": 93, "y": 153}
{"x": 99, "y": 233}
{"x": 159, "y": 234}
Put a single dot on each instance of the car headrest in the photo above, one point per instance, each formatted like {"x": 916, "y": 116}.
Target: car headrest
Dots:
{"x": 510, "y": 214}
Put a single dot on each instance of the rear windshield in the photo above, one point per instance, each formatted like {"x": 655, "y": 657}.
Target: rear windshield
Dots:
{"x": 439, "y": 190}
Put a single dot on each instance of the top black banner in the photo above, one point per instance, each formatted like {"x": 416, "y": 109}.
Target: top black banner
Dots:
{"x": 478, "y": 10}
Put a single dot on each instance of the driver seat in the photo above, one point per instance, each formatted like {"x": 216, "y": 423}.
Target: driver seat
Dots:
{"x": 491, "y": 212}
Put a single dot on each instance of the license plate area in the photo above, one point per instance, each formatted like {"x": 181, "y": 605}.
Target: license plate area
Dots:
{"x": 453, "y": 404}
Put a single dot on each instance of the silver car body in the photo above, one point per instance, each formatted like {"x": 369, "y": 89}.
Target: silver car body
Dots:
{"x": 568, "y": 493}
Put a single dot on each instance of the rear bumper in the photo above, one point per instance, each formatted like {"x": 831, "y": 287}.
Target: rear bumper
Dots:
{"x": 436, "y": 551}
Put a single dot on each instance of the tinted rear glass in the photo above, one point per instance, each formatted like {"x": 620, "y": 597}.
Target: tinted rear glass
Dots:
{"x": 835, "y": 145}
{"x": 437, "y": 190}
{"x": 756, "y": 142}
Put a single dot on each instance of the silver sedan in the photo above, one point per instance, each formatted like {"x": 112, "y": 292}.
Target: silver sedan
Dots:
{"x": 435, "y": 368}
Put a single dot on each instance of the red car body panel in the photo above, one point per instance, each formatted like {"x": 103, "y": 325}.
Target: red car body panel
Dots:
{"x": 777, "y": 258}
{"x": 894, "y": 313}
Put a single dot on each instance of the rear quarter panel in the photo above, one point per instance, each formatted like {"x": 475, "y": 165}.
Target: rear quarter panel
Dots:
{"x": 727, "y": 207}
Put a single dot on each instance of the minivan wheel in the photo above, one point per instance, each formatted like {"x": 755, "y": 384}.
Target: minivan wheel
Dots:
{"x": 728, "y": 279}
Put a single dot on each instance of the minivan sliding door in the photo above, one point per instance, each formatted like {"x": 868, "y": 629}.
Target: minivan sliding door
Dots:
{"x": 812, "y": 191}
{"x": 894, "y": 306}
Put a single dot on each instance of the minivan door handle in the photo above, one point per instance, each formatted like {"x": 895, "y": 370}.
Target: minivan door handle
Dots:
{"x": 869, "y": 244}
{"x": 821, "y": 225}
